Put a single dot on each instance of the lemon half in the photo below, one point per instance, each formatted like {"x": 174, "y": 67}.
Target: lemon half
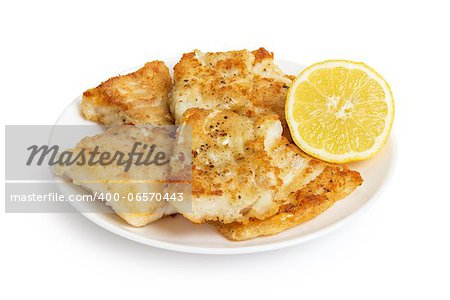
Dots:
{"x": 340, "y": 111}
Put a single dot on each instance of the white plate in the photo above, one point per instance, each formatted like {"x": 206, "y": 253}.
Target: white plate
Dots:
{"x": 178, "y": 234}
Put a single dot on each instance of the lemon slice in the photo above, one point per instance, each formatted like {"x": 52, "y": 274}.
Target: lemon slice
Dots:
{"x": 340, "y": 111}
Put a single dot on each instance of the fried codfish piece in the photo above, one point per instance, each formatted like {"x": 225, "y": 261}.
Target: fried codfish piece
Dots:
{"x": 246, "y": 82}
{"x": 113, "y": 179}
{"x": 242, "y": 168}
{"x": 141, "y": 97}
{"x": 333, "y": 184}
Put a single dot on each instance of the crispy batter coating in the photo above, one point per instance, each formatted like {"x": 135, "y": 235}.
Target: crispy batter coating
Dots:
{"x": 246, "y": 82}
{"x": 141, "y": 97}
{"x": 242, "y": 167}
{"x": 333, "y": 184}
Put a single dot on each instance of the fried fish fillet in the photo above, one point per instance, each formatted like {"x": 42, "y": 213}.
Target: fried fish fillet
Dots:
{"x": 141, "y": 97}
{"x": 333, "y": 184}
{"x": 243, "y": 169}
{"x": 112, "y": 178}
{"x": 250, "y": 84}
{"x": 246, "y": 82}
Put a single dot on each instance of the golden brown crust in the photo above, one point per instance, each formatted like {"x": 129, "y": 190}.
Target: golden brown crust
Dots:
{"x": 141, "y": 97}
{"x": 242, "y": 167}
{"x": 246, "y": 82}
{"x": 333, "y": 184}
{"x": 231, "y": 169}
{"x": 261, "y": 54}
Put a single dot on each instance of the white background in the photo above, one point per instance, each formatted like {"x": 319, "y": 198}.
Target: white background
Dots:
{"x": 51, "y": 51}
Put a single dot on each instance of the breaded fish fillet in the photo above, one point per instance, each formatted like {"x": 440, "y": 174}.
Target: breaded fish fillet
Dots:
{"x": 250, "y": 84}
{"x": 246, "y": 82}
{"x": 113, "y": 179}
{"x": 242, "y": 168}
{"x": 333, "y": 184}
{"x": 141, "y": 97}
